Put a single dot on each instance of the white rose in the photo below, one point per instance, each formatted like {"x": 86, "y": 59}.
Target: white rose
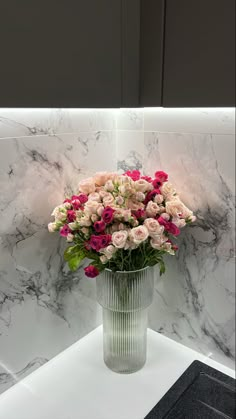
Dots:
{"x": 109, "y": 186}
{"x": 108, "y": 199}
{"x": 158, "y": 199}
{"x": 167, "y": 190}
{"x": 179, "y": 222}
{"x": 94, "y": 218}
{"x": 119, "y": 239}
{"x": 87, "y": 186}
{"x": 119, "y": 200}
{"x": 103, "y": 259}
{"x": 139, "y": 234}
{"x": 91, "y": 207}
{"x": 158, "y": 241}
{"x": 52, "y": 227}
{"x": 176, "y": 209}
{"x": 100, "y": 209}
{"x": 69, "y": 238}
{"x": 152, "y": 209}
{"x": 109, "y": 251}
{"x": 140, "y": 196}
{"x": 165, "y": 216}
{"x": 102, "y": 177}
{"x": 154, "y": 228}
{"x": 94, "y": 197}
{"x": 142, "y": 185}
{"x": 85, "y": 221}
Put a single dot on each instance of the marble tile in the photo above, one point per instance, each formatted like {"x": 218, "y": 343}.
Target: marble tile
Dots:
{"x": 43, "y": 307}
{"x": 30, "y": 122}
{"x": 195, "y": 301}
{"x": 129, "y": 150}
{"x": 129, "y": 119}
{"x": 190, "y": 120}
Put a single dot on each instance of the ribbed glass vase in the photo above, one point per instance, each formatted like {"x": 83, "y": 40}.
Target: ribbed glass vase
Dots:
{"x": 125, "y": 298}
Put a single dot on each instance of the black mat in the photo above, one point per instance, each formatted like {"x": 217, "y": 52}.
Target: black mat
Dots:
{"x": 200, "y": 393}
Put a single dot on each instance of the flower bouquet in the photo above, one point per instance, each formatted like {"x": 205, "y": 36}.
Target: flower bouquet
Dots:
{"x": 124, "y": 224}
{"x": 121, "y": 222}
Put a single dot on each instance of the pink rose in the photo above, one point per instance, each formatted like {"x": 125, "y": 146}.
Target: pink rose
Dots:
{"x": 70, "y": 238}
{"x": 76, "y": 204}
{"x": 67, "y": 200}
{"x": 91, "y": 271}
{"x": 158, "y": 199}
{"x": 139, "y": 234}
{"x": 109, "y": 251}
{"x": 134, "y": 174}
{"x": 87, "y": 186}
{"x": 134, "y": 205}
{"x": 91, "y": 207}
{"x": 151, "y": 195}
{"x": 119, "y": 239}
{"x": 169, "y": 226}
{"x": 65, "y": 230}
{"x": 161, "y": 176}
{"x": 94, "y": 197}
{"x": 147, "y": 178}
{"x": 99, "y": 226}
{"x": 71, "y": 216}
{"x": 85, "y": 221}
{"x": 107, "y": 215}
{"x": 154, "y": 228}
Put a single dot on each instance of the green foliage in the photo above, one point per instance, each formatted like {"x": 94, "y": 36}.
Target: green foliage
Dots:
{"x": 74, "y": 256}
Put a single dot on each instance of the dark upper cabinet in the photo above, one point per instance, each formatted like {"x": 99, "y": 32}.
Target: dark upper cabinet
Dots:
{"x": 117, "y": 53}
{"x": 69, "y": 53}
{"x": 199, "y": 54}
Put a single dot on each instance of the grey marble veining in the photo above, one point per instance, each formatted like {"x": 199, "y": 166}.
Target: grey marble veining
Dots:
{"x": 43, "y": 154}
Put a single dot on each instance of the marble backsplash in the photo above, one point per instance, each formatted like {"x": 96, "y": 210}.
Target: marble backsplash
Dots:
{"x": 43, "y": 154}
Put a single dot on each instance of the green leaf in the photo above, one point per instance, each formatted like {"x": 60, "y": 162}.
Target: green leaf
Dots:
{"x": 74, "y": 262}
{"x": 74, "y": 256}
{"x": 162, "y": 267}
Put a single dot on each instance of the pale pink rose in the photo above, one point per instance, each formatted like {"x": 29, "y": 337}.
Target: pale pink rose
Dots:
{"x": 52, "y": 227}
{"x": 103, "y": 259}
{"x": 158, "y": 199}
{"x": 134, "y": 205}
{"x": 108, "y": 200}
{"x": 87, "y": 186}
{"x": 122, "y": 226}
{"x": 126, "y": 190}
{"x": 119, "y": 200}
{"x": 130, "y": 245}
{"x": 109, "y": 186}
{"x": 94, "y": 197}
{"x": 102, "y": 177}
{"x": 85, "y": 230}
{"x": 140, "y": 196}
{"x": 109, "y": 251}
{"x": 102, "y": 193}
{"x": 100, "y": 210}
{"x": 59, "y": 212}
{"x": 122, "y": 214}
{"x": 91, "y": 207}
{"x": 85, "y": 221}
{"x": 179, "y": 222}
{"x": 168, "y": 190}
{"x": 142, "y": 185}
{"x": 192, "y": 218}
{"x": 154, "y": 228}
{"x": 152, "y": 209}
{"x": 70, "y": 238}
{"x": 139, "y": 234}
{"x": 126, "y": 215}
{"x": 114, "y": 227}
{"x": 168, "y": 248}
{"x": 176, "y": 209}
{"x": 119, "y": 239}
{"x": 156, "y": 243}
{"x": 66, "y": 205}
{"x": 94, "y": 217}
{"x": 134, "y": 222}
{"x": 165, "y": 216}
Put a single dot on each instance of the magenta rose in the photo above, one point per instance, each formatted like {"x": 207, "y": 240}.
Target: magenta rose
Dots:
{"x": 99, "y": 226}
{"x": 99, "y": 242}
{"x": 134, "y": 174}
{"x": 105, "y": 240}
{"x": 161, "y": 176}
{"x": 65, "y": 230}
{"x": 83, "y": 198}
{"x": 71, "y": 216}
{"x": 76, "y": 204}
{"x": 107, "y": 215}
{"x": 147, "y": 178}
{"x": 91, "y": 271}
{"x": 140, "y": 213}
{"x": 151, "y": 195}
{"x": 169, "y": 226}
{"x": 67, "y": 200}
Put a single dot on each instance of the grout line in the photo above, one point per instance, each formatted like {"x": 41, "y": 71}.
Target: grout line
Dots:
{"x": 57, "y": 134}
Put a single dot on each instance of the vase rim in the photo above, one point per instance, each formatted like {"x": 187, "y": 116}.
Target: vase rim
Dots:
{"x": 128, "y": 272}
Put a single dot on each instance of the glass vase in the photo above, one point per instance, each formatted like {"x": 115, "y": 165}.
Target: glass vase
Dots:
{"x": 125, "y": 298}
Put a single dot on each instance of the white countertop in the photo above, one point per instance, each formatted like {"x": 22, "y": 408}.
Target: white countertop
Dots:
{"x": 76, "y": 384}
